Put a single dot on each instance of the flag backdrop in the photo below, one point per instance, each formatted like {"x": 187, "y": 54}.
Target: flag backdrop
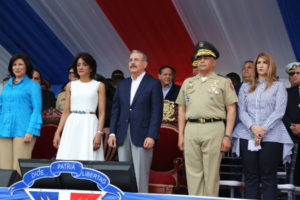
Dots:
{"x": 53, "y": 32}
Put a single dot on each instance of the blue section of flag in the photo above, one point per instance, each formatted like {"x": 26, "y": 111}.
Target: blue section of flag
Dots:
{"x": 40, "y": 195}
{"x": 291, "y": 17}
{"x": 23, "y": 31}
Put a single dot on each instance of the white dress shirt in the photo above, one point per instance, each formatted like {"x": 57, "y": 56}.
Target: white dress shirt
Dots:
{"x": 135, "y": 85}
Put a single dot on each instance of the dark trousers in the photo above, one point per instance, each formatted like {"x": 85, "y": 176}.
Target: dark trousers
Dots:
{"x": 297, "y": 168}
{"x": 261, "y": 167}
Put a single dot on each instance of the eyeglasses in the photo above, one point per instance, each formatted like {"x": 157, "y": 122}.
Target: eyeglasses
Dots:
{"x": 293, "y": 73}
{"x": 135, "y": 60}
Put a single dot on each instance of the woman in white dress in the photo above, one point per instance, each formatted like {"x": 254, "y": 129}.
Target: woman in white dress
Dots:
{"x": 82, "y": 132}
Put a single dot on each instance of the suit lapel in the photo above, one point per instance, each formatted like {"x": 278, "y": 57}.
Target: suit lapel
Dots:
{"x": 140, "y": 89}
{"x": 297, "y": 96}
{"x": 127, "y": 91}
{"x": 170, "y": 91}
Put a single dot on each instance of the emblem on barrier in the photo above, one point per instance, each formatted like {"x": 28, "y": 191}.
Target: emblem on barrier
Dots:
{"x": 168, "y": 113}
{"x": 75, "y": 168}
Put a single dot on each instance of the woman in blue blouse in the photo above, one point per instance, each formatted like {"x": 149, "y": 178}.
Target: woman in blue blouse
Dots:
{"x": 260, "y": 136}
{"x": 20, "y": 113}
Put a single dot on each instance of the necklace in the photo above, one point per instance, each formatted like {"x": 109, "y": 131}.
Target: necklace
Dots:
{"x": 15, "y": 81}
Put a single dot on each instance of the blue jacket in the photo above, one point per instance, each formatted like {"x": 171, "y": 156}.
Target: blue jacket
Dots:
{"x": 20, "y": 108}
{"x": 144, "y": 114}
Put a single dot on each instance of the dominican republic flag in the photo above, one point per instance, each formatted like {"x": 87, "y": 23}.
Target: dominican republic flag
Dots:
{"x": 53, "y": 32}
{"x": 51, "y": 194}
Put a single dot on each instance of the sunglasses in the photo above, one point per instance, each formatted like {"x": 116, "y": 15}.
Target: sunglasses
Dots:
{"x": 293, "y": 73}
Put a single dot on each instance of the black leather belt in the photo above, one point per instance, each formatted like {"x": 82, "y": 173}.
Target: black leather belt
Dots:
{"x": 203, "y": 121}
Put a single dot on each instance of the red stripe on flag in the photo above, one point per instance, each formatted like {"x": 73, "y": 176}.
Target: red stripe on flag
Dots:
{"x": 154, "y": 27}
{"x": 84, "y": 196}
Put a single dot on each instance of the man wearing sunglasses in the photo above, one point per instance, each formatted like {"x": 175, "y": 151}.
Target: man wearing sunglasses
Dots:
{"x": 292, "y": 115}
{"x": 290, "y": 69}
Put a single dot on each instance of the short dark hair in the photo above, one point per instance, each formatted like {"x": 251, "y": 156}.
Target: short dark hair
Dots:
{"x": 38, "y": 71}
{"x": 235, "y": 78}
{"x": 247, "y": 61}
{"x": 100, "y": 78}
{"x": 167, "y": 67}
{"x": 47, "y": 83}
{"x": 26, "y": 60}
{"x": 117, "y": 75}
{"x": 89, "y": 60}
{"x": 117, "y": 71}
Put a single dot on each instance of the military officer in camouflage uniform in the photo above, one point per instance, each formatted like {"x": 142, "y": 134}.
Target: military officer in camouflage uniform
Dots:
{"x": 205, "y": 102}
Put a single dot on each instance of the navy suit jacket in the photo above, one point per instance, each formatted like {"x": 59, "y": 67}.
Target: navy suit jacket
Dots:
{"x": 173, "y": 92}
{"x": 144, "y": 114}
{"x": 292, "y": 113}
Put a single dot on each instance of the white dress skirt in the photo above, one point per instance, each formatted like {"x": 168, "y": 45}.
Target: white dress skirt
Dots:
{"x": 81, "y": 126}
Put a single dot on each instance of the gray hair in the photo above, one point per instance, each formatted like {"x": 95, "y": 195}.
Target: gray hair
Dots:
{"x": 145, "y": 57}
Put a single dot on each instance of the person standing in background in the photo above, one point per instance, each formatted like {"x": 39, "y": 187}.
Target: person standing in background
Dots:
{"x": 167, "y": 75}
{"x": 195, "y": 65}
{"x": 116, "y": 77}
{"x": 290, "y": 70}
{"x": 61, "y": 98}
{"x": 247, "y": 71}
{"x": 48, "y": 97}
{"x": 291, "y": 119}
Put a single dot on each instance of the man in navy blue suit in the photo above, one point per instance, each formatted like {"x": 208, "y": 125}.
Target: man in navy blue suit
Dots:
{"x": 167, "y": 75}
{"x": 136, "y": 118}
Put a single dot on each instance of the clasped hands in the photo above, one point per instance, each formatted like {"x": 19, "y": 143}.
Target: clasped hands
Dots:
{"x": 259, "y": 134}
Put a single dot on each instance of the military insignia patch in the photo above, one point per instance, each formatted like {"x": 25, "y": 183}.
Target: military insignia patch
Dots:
{"x": 190, "y": 86}
{"x": 231, "y": 86}
{"x": 214, "y": 87}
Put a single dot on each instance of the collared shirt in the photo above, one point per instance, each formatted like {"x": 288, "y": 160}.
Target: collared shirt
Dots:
{"x": 20, "y": 108}
{"x": 166, "y": 89}
{"x": 206, "y": 99}
{"x": 265, "y": 108}
{"x": 135, "y": 85}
